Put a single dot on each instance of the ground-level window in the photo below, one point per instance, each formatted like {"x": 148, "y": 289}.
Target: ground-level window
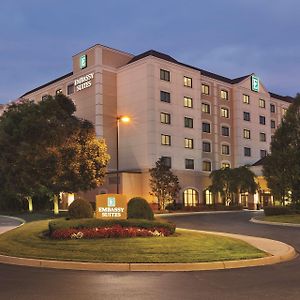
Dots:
{"x": 190, "y": 197}
{"x": 208, "y": 197}
{"x": 244, "y": 199}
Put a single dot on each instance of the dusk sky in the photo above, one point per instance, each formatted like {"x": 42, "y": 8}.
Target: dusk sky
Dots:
{"x": 231, "y": 38}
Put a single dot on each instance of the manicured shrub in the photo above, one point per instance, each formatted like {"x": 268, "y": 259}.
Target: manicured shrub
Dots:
{"x": 277, "y": 210}
{"x": 139, "y": 208}
{"x": 80, "y": 208}
{"x": 174, "y": 206}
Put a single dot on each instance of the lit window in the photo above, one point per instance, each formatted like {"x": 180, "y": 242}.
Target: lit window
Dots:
{"x": 70, "y": 89}
{"x": 188, "y": 122}
{"x": 262, "y": 120}
{"x": 188, "y": 143}
{"x": 190, "y": 197}
{"x": 166, "y": 140}
{"x": 262, "y": 137}
{"x": 208, "y": 197}
{"x": 206, "y": 146}
{"x": 206, "y": 108}
{"x": 166, "y": 161}
{"x": 59, "y": 91}
{"x": 189, "y": 164}
{"x": 188, "y": 102}
{"x": 205, "y": 89}
{"x": 284, "y": 110}
{"x": 273, "y": 124}
{"x": 165, "y": 118}
{"x": 225, "y": 165}
{"x": 225, "y": 131}
{"x": 206, "y": 166}
{"x": 247, "y": 151}
{"x": 165, "y": 96}
{"x": 246, "y": 99}
{"x": 164, "y": 75}
{"x": 224, "y": 112}
{"x": 206, "y": 127}
{"x": 272, "y": 108}
{"x": 262, "y": 103}
{"x": 224, "y": 95}
{"x": 187, "y": 81}
{"x": 246, "y": 116}
{"x": 263, "y": 153}
{"x": 225, "y": 149}
{"x": 247, "y": 134}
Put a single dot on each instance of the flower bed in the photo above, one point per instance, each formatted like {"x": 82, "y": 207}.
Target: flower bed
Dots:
{"x": 115, "y": 231}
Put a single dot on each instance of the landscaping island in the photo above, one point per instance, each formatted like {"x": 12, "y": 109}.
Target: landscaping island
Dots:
{"x": 293, "y": 219}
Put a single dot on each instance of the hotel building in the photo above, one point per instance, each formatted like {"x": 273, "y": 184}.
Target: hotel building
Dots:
{"x": 196, "y": 120}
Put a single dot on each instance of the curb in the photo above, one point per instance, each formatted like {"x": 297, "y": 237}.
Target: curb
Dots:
{"x": 254, "y": 220}
{"x": 198, "y": 213}
{"x": 279, "y": 252}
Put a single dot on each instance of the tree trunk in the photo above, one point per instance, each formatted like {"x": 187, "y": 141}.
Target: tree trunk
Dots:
{"x": 55, "y": 203}
{"x": 30, "y": 206}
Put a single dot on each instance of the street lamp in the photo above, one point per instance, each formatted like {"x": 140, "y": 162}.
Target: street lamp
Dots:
{"x": 123, "y": 119}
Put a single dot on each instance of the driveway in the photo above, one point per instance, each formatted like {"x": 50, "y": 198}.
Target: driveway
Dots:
{"x": 280, "y": 281}
{"x": 7, "y": 223}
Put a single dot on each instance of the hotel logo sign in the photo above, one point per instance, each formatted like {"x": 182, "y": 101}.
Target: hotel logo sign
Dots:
{"x": 83, "y": 82}
{"x": 111, "y": 206}
{"x": 83, "y": 61}
{"x": 254, "y": 83}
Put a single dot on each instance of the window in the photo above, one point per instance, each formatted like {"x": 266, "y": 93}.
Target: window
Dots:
{"x": 208, "y": 197}
{"x": 166, "y": 140}
{"x": 272, "y": 108}
{"x": 164, "y": 75}
{"x": 225, "y": 149}
{"x": 188, "y": 143}
{"x": 262, "y": 103}
{"x": 206, "y": 166}
{"x": 247, "y": 151}
{"x": 273, "y": 124}
{"x": 246, "y": 116}
{"x": 190, "y": 197}
{"x": 224, "y": 95}
{"x": 225, "y": 165}
{"x": 247, "y": 134}
{"x": 166, "y": 161}
{"x": 165, "y": 96}
{"x": 188, "y": 122}
{"x": 187, "y": 81}
{"x": 262, "y": 120}
{"x": 206, "y": 108}
{"x": 206, "y": 127}
{"x": 206, "y": 146}
{"x": 59, "y": 91}
{"x": 70, "y": 89}
{"x": 224, "y": 112}
{"x": 189, "y": 164}
{"x": 205, "y": 89}
{"x": 225, "y": 131}
{"x": 262, "y": 137}
{"x": 44, "y": 97}
{"x": 165, "y": 118}
{"x": 188, "y": 102}
{"x": 284, "y": 110}
{"x": 263, "y": 153}
{"x": 246, "y": 99}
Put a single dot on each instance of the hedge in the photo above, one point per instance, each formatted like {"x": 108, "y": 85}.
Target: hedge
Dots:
{"x": 277, "y": 210}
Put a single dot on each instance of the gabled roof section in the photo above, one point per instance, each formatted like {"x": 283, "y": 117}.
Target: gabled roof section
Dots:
{"x": 48, "y": 83}
{"x": 283, "y": 98}
{"x": 260, "y": 162}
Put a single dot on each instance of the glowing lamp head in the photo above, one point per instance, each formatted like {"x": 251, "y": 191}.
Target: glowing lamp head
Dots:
{"x": 125, "y": 119}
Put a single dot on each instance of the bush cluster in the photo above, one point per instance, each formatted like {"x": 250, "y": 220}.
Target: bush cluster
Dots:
{"x": 174, "y": 206}
{"x": 80, "y": 208}
{"x": 139, "y": 208}
{"x": 277, "y": 210}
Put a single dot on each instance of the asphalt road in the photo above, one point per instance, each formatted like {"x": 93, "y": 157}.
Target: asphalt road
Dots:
{"x": 280, "y": 281}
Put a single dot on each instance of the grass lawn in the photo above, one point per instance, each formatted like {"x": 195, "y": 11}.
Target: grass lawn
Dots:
{"x": 295, "y": 219}
{"x": 27, "y": 241}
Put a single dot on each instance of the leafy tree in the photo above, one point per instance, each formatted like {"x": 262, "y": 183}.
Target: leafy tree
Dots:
{"x": 45, "y": 147}
{"x": 229, "y": 182}
{"x": 164, "y": 184}
{"x": 282, "y": 167}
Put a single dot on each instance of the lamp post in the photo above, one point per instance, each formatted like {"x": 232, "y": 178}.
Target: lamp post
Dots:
{"x": 123, "y": 119}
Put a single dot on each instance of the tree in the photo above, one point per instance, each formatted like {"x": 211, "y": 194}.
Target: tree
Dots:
{"x": 230, "y": 182}
{"x": 281, "y": 167}
{"x": 164, "y": 184}
{"x": 45, "y": 147}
